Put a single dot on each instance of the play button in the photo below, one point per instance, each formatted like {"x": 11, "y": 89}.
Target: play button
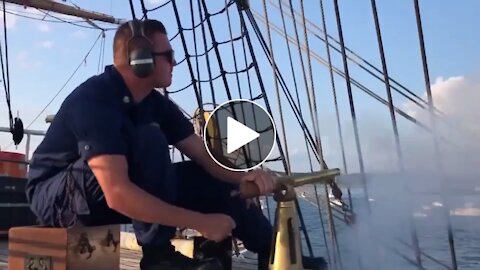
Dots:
{"x": 239, "y": 135}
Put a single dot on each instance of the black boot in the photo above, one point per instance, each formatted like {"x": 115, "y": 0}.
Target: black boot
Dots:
{"x": 263, "y": 261}
{"x": 315, "y": 263}
{"x": 169, "y": 259}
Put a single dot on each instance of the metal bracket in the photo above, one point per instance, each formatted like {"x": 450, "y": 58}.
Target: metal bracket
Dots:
{"x": 284, "y": 193}
{"x": 110, "y": 240}
{"x": 84, "y": 245}
{"x": 38, "y": 263}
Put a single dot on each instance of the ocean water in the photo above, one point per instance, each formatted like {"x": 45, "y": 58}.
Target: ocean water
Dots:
{"x": 383, "y": 239}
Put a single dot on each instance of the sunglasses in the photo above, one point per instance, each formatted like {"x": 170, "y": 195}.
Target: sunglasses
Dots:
{"x": 169, "y": 55}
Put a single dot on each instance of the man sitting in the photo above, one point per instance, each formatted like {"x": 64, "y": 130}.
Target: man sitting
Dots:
{"x": 105, "y": 159}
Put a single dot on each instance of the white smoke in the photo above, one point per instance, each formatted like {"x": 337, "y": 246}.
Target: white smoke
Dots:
{"x": 457, "y": 98}
{"x": 417, "y": 194}
{"x": 457, "y": 131}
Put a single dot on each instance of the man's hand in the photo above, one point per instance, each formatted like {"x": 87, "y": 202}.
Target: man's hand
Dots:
{"x": 215, "y": 227}
{"x": 264, "y": 180}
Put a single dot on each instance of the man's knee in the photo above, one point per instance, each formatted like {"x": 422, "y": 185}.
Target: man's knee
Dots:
{"x": 56, "y": 201}
{"x": 193, "y": 176}
{"x": 199, "y": 187}
{"x": 253, "y": 228}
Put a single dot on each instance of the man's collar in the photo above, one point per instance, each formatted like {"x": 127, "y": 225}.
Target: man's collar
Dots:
{"x": 120, "y": 85}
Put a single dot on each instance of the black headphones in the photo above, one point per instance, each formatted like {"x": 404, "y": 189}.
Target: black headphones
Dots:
{"x": 141, "y": 59}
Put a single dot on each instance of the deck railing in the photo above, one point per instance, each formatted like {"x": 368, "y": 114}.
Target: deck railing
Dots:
{"x": 29, "y": 133}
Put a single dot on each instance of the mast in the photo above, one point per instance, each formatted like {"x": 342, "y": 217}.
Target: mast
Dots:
{"x": 67, "y": 10}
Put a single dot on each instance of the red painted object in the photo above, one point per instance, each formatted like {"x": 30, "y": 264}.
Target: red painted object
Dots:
{"x": 12, "y": 164}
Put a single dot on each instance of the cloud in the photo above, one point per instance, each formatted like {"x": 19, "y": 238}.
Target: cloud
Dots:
{"x": 22, "y": 55}
{"x": 66, "y": 51}
{"x": 155, "y": 3}
{"x": 295, "y": 151}
{"x": 459, "y": 128}
{"x": 398, "y": 197}
{"x": 80, "y": 34}
{"x": 44, "y": 27}
{"x": 47, "y": 44}
{"x": 458, "y": 131}
{"x": 25, "y": 61}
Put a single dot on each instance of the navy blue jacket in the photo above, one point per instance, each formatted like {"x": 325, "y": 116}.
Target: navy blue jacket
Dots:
{"x": 97, "y": 118}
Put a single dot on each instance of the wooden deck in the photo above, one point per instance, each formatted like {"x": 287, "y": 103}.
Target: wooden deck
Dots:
{"x": 129, "y": 259}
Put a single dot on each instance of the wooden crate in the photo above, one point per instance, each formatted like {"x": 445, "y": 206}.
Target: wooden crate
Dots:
{"x": 76, "y": 248}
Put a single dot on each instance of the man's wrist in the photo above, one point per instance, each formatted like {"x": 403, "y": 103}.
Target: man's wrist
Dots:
{"x": 191, "y": 219}
{"x": 239, "y": 176}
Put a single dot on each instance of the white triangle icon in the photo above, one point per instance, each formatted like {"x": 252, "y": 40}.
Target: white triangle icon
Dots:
{"x": 238, "y": 135}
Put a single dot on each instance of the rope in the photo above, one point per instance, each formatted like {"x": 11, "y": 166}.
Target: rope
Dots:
{"x": 197, "y": 66}
{"x": 358, "y": 60}
{"x": 72, "y": 23}
{"x": 174, "y": 36}
{"x": 30, "y": 15}
{"x": 365, "y": 89}
{"x": 356, "y": 83}
{"x": 295, "y": 83}
{"x": 323, "y": 225}
{"x": 314, "y": 115}
{"x": 101, "y": 58}
{"x": 132, "y": 9}
{"x": 220, "y": 65}
{"x": 306, "y": 143}
{"x": 311, "y": 91}
{"x": 264, "y": 47}
{"x": 244, "y": 30}
{"x": 235, "y": 64}
{"x": 244, "y": 48}
{"x": 207, "y": 58}
{"x": 144, "y": 10}
{"x": 311, "y": 100}
{"x": 196, "y": 55}
{"x": 325, "y": 39}
{"x": 285, "y": 89}
{"x": 217, "y": 52}
{"x": 159, "y": 7}
{"x": 202, "y": 21}
{"x": 257, "y": 70}
{"x": 335, "y": 101}
{"x": 352, "y": 106}
{"x": 239, "y": 87}
{"x": 277, "y": 91}
{"x": 189, "y": 63}
{"x": 334, "y": 92}
{"x": 398, "y": 148}
{"x": 197, "y": 80}
{"x": 426, "y": 255}
{"x": 437, "y": 154}
{"x": 300, "y": 56}
{"x": 63, "y": 86}
{"x": 6, "y": 79}
{"x": 68, "y": 80}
